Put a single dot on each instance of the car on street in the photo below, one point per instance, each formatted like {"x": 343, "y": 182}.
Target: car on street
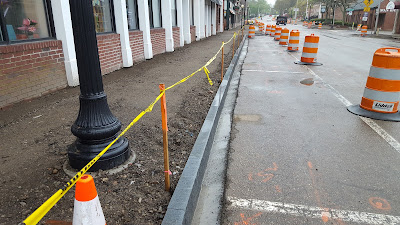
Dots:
{"x": 281, "y": 20}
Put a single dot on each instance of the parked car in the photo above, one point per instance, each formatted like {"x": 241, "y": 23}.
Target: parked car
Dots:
{"x": 281, "y": 20}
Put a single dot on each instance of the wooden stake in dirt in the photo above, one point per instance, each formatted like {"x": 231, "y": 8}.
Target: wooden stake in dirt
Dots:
{"x": 233, "y": 48}
{"x": 222, "y": 62}
{"x": 165, "y": 137}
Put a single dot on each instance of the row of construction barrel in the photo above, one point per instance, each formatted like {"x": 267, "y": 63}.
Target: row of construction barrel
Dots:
{"x": 310, "y": 48}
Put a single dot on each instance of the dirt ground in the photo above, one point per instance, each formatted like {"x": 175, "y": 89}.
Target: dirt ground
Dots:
{"x": 35, "y": 136}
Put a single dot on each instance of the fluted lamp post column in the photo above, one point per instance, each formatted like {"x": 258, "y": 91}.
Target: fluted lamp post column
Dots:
{"x": 95, "y": 126}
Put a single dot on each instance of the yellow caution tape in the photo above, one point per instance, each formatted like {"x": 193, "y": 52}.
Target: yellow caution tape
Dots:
{"x": 40, "y": 212}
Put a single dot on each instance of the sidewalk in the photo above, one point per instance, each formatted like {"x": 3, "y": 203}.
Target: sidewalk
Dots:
{"x": 36, "y": 134}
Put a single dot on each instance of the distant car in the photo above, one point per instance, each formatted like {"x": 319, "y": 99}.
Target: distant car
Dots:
{"x": 281, "y": 20}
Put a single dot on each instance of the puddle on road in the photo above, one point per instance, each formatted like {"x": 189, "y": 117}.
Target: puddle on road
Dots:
{"x": 308, "y": 81}
{"x": 247, "y": 117}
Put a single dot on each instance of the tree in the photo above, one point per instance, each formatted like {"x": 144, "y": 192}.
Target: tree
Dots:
{"x": 344, "y": 5}
{"x": 259, "y": 6}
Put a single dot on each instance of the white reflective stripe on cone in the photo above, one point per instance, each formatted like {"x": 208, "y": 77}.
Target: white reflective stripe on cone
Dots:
{"x": 294, "y": 37}
{"x": 309, "y": 55}
{"x": 387, "y": 74}
{"x": 285, "y": 34}
{"x": 293, "y": 45}
{"x": 310, "y": 45}
{"x": 381, "y": 95}
{"x": 88, "y": 213}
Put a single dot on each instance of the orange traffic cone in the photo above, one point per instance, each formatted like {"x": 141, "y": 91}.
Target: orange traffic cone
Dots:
{"x": 87, "y": 208}
{"x": 382, "y": 91}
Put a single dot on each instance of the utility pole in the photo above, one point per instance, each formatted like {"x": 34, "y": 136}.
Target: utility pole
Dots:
{"x": 377, "y": 16}
{"x": 334, "y": 6}
{"x": 395, "y": 21}
{"x": 307, "y": 12}
{"x": 295, "y": 12}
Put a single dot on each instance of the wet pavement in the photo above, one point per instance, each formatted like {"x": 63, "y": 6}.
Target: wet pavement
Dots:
{"x": 296, "y": 155}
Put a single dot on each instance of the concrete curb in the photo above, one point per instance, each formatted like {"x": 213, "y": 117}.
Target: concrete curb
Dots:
{"x": 184, "y": 200}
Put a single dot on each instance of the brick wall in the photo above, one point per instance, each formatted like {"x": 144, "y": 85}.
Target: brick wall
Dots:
{"x": 158, "y": 40}
{"x": 110, "y": 54}
{"x": 136, "y": 42}
{"x": 193, "y": 33}
{"x": 176, "y": 35}
{"x": 30, "y": 70}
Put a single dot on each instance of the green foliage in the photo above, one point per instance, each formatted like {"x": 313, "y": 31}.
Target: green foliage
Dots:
{"x": 258, "y": 6}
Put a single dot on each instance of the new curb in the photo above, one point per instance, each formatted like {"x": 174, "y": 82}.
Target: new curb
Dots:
{"x": 184, "y": 200}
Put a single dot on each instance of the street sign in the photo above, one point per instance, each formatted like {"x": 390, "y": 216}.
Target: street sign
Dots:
{"x": 367, "y": 9}
{"x": 295, "y": 9}
{"x": 365, "y": 16}
{"x": 350, "y": 13}
{"x": 368, "y": 2}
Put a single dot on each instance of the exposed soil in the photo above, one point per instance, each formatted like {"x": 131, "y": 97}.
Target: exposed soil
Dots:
{"x": 35, "y": 136}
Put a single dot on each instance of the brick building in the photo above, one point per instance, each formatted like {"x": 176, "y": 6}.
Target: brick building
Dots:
{"x": 37, "y": 49}
{"x": 387, "y": 15}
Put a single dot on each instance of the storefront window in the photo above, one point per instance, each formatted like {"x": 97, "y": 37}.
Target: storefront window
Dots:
{"x": 23, "y": 20}
{"x": 132, "y": 13}
{"x": 191, "y": 12}
{"x": 173, "y": 13}
{"x": 155, "y": 13}
{"x": 103, "y": 16}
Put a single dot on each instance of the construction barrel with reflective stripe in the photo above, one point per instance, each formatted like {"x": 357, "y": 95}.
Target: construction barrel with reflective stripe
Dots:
{"x": 320, "y": 26}
{"x": 268, "y": 29}
{"x": 284, "y": 36}
{"x": 273, "y": 27}
{"x": 382, "y": 91}
{"x": 364, "y": 30}
{"x": 252, "y": 31}
{"x": 294, "y": 41}
{"x": 277, "y": 35}
{"x": 261, "y": 27}
{"x": 309, "y": 25}
{"x": 310, "y": 49}
{"x": 305, "y": 23}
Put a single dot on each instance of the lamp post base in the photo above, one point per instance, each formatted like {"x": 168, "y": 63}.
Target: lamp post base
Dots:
{"x": 80, "y": 154}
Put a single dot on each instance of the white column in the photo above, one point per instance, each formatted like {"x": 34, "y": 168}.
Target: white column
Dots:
{"x": 221, "y": 18}
{"x": 186, "y": 21}
{"x": 121, "y": 25}
{"x": 202, "y": 19}
{"x": 197, "y": 18}
{"x": 213, "y": 17}
{"x": 144, "y": 26}
{"x": 209, "y": 18}
{"x": 63, "y": 26}
{"x": 167, "y": 24}
{"x": 206, "y": 17}
{"x": 180, "y": 24}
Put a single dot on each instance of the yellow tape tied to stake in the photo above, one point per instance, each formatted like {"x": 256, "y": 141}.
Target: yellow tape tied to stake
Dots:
{"x": 40, "y": 212}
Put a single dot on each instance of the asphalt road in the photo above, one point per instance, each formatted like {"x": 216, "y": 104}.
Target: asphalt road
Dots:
{"x": 297, "y": 156}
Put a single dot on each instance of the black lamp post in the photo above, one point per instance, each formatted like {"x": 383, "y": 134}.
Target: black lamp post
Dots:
{"x": 95, "y": 126}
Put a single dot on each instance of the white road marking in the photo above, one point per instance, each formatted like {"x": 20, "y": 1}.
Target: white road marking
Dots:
{"x": 313, "y": 212}
{"x": 379, "y": 130}
{"x": 271, "y": 71}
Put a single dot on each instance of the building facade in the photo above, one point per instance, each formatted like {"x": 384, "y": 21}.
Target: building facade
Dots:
{"x": 37, "y": 49}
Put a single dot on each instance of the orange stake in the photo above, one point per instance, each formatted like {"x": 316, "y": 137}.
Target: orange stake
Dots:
{"x": 222, "y": 62}
{"x": 165, "y": 137}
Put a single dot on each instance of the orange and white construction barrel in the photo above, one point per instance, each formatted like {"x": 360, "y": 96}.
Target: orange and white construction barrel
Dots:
{"x": 284, "y": 36}
{"x": 277, "y": 35}
{"x": 87, "y": 208}
{"x": 309, "y": 25}
{"x": 382, "y": 91}
{"x": 268, "y": 29}
{"x": 294, "y": 41}
{"x": 261, "y": 27}
{"x": 364, "y": 31}
{"x": 252, "y": 31}
{"x": 310, "y": 49}
{"x": 273, "y": 27}
{"x": 320, "y": 26}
